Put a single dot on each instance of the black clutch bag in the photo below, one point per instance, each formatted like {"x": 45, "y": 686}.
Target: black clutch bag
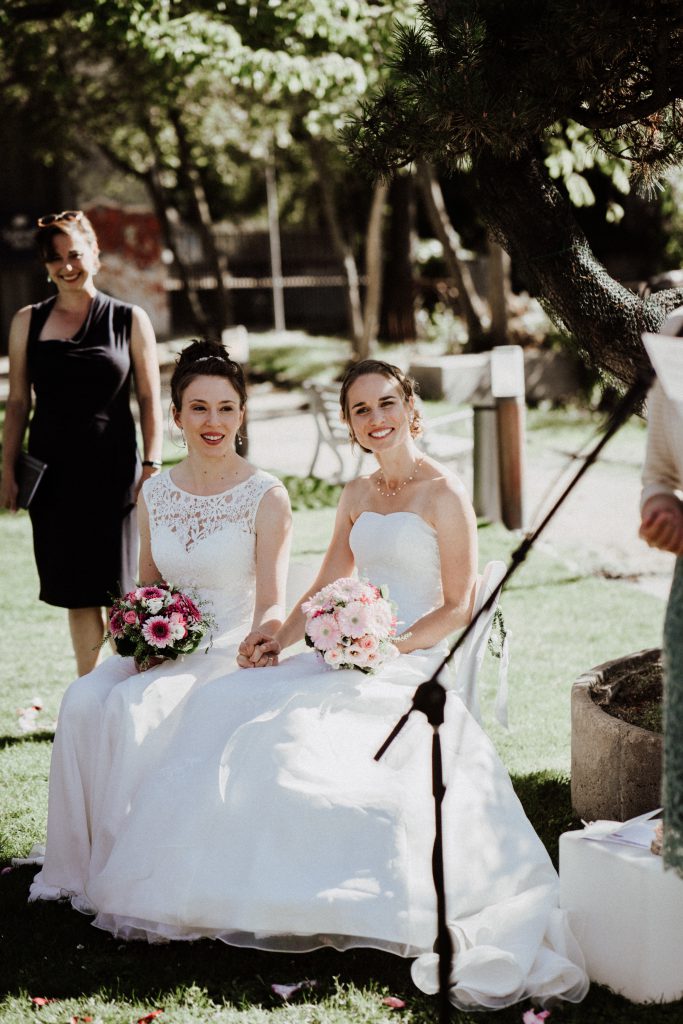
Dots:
{"x": 29, "y": 474}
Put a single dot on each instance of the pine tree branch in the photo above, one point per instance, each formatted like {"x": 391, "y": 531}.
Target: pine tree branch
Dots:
{"x": 617, "y": 117}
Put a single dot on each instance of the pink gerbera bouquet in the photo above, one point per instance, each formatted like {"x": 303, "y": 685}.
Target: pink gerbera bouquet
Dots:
{"x": 350, "y": 623}
{"x": 158, "y": 621}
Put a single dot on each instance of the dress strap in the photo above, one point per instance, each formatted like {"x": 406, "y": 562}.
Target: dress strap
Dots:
{"x": 40, "y": 311}
{"x": 262, "y": 482}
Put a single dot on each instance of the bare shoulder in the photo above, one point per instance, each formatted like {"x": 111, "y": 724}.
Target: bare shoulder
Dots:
{"x": 142, "y": 328}
{"x": 18, "y": 336}
{"x": 21, "y": 320}
{"x": 140, "y": 316}
{"x": 355, "y": 496}
{"x": 447, "y": 491}
{"x": 445, "y": 483}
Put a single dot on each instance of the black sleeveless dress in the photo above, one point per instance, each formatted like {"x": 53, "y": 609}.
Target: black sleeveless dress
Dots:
{"x": 83, "y": 513}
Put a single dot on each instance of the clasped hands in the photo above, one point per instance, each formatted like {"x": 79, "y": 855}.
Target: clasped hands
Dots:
{"x": 258, "y": 650}
{"x": 661, "y": 523}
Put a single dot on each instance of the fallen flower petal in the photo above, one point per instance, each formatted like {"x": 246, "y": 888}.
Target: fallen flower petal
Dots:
{"x": 6, "y": 871}
{"x": 394, "y": 1002}
{"x": 149, "y": 1016}
{"x": 28, "y": 719}
{"x": 41, "y": 1000}
{"x": 287, "y": 991}
{"x": 531, "y": 1017}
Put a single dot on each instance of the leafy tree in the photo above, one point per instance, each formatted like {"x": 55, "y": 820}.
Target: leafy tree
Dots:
{"x": 188, "y": 96}
{"x": 485, "y": 83}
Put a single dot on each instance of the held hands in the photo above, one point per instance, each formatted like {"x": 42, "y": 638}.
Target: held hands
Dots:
{"x": 661, "y": 524}
{"x": 258, "y": 650}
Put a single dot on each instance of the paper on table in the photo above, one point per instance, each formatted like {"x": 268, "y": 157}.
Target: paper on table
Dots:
{"x": 638, "y": 831}
{"x": 666, "y": 354}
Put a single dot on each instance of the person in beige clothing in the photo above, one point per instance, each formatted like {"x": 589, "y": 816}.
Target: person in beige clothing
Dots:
{"x": 662, "y": 527}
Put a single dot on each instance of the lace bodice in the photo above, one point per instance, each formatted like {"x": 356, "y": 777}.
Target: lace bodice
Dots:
{"x": 208, "y": 543}
{"x": 400, "y": 550}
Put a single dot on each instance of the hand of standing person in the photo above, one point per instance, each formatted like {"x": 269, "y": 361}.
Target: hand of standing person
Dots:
{"x": 661, "y": 524}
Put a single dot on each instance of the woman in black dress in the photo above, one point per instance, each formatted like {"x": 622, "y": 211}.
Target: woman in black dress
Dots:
{"x": 77, "y": 351}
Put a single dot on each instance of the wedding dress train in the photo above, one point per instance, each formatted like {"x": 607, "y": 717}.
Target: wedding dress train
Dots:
{"x": 248, "y": 807}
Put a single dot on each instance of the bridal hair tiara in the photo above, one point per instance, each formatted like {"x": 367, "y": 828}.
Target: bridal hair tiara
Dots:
{"x": 202, "y": 359}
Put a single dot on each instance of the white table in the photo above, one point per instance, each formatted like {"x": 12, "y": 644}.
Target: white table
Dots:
{"x": 626, "y": 912}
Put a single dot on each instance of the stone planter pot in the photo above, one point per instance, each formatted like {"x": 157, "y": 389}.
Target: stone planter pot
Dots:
{"x": 616, "y": 767}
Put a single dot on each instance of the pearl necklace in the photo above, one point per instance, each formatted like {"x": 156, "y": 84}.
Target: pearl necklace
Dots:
{"x": 392, "y": 494}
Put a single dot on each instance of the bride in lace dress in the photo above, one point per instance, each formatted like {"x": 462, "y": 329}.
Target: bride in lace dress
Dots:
{"x": 272, "y": 825}
{"x": 212, "y": 525}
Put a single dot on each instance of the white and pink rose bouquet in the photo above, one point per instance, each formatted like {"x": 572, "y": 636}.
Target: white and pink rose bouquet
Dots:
{"x": 158, "y": 621}
{"x": 350, "y": 623}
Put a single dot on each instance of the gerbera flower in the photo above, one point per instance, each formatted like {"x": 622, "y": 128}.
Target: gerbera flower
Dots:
{"x": 324, "y": 631}
{"x": 158, "y": 632}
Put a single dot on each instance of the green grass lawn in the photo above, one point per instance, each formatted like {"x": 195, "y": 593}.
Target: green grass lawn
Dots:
{"x": 561, "y": 624}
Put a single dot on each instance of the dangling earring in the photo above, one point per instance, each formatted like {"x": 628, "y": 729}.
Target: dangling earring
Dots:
{"x": 239, "y": 440}
{"x": 182, "y": 438}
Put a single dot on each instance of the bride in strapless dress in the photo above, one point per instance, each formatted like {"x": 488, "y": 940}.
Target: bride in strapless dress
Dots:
{"x": 264, "y": 821}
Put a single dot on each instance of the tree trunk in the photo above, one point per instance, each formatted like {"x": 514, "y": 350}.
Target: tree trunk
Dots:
{"x": 469, "y": 305}
{"x": 200, "y": 218}
{"x": 534, "y": 223}
{"x": 341, "y": 247}
{"x": 169, "y": 221}
{"x": 279, "y": 322}
{"x": 499, "y": 289}
{"x": 373, "y": 268}
{"x": 399, "y": 288}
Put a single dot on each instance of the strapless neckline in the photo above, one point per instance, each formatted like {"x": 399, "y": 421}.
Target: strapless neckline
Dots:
{"x": 386, "y": 515}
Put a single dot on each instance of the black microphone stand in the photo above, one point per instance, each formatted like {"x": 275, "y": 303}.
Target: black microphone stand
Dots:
{"x": 430, "y": 696}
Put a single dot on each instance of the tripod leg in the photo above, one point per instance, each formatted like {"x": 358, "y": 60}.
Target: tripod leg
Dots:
{"x": 444, "y": 943}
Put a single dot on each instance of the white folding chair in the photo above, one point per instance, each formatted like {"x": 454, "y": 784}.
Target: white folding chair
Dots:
{"x": 469, "y": 658}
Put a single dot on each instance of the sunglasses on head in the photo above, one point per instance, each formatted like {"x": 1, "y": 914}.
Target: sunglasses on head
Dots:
{"x": 54, "y": 218}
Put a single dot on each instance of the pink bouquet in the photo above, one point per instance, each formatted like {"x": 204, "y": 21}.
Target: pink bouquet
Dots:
{"x": 349, "y": 624}
{"x": 158, "y": 621}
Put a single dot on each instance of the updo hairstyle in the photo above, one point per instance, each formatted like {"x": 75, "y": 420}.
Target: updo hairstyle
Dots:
{"x": 407, "y": 386}
{"x": 206, "y": 359}
{"x": 80, "y": 225}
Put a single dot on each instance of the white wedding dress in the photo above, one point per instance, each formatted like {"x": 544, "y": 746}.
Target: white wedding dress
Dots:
{"x": 247, "y": 806}
{"x": 203, "y": 544}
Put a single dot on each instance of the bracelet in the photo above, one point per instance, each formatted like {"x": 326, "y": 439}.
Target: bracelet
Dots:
{"x": 152, "y": 462}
